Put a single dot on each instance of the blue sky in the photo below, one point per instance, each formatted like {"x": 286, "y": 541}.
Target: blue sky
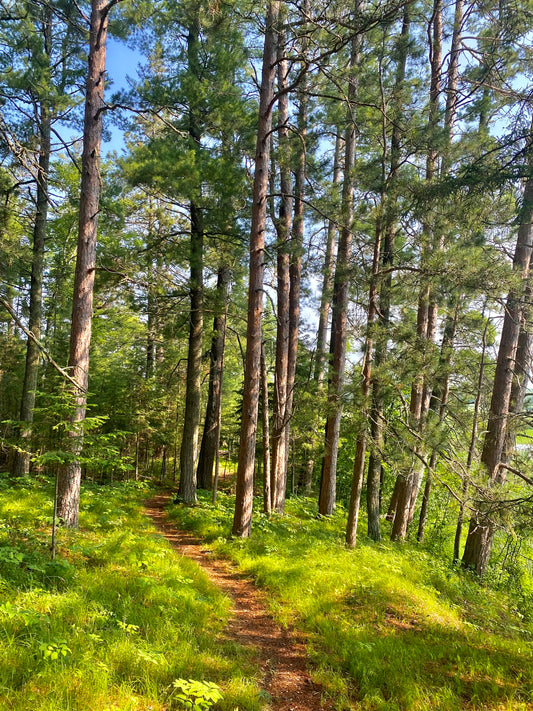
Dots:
{"x": 121, "y": 62}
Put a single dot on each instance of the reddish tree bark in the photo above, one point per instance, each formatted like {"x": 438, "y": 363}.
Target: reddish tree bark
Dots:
{"x": 69, "y": 478}
{"x": 374, "y": 476}
{"x": 283, "y": 228}
{"x": 267, "y": 499}
{"x": 242, "y": 520}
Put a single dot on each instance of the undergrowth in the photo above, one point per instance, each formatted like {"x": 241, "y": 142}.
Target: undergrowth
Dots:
{"x": 117, "y": 621}
{"x": 390, "y": 627}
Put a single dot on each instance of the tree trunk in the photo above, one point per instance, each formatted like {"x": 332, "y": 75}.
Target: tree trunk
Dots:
{"x": 472, "y": 446}
{"x": 295, "y": 271}
{"x": 242, "y": 521}
{"x": 21, "y": 462}
{"x": 211, "y": 435}
{"x": 360, "y": 450}
{"x": 327, "y": 283}
{"x": 522, "y": 372}
{"x": 328, "y": 485}
{"x": 191, "y": 418}
{"x": 80, "y": 334}
{"x": 191, "y": 421}
{"x": 267, "y": 497}
{"x": 481, "y": 530}
{"x": 375, "y": 468}
{"x": 438, "y": 406}
{"x": 283, "y": 228}
{"x": 442, "y": 380}
{"x": 408, "y": 484}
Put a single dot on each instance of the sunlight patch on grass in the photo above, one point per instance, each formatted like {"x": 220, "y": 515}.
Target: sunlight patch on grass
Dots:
{"x": 116, "y": 619}
{"x": 389, "y": 627}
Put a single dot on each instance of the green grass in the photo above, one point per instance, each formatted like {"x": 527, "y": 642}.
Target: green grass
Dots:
{"x": 390, "y": 627}
{"x": 115, "y": 620}
{"x": 525, "y": 437}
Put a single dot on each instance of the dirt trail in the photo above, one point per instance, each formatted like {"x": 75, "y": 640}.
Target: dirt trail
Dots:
{"x": 281, "y": 653}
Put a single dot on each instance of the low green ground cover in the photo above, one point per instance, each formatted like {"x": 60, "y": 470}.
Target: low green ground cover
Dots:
{"x": 115, "y": 620}
{"x": 390, "y": 628}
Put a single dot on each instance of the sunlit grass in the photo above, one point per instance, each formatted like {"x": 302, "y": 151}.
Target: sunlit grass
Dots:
{"x": 115, "y": 619}
{"x": 390, "y": 627}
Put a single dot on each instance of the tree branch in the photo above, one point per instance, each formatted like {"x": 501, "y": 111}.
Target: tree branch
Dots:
{"x": 40, "y": 346}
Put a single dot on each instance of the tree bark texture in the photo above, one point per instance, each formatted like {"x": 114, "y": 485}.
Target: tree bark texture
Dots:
{"x": 438, "y": 405}
{"x": 341, "y": 284}
{"x": 242, "y": 520}
{"x": 211, "y": 434}
{"x": 295, "y": 272}
{"x": 471, "y": 447}
{"x": 374, "y": 476}
{"x": 327, "y": 282}
{"x": 522, "y": 375}
{"x": 80, "y": 334}
{"x": 482, "y": 525}
{"x": 360, "y": 451}
{"x": 191, "y": 418}
{"x": 267, "y": 480}
{"x": 21, "y": 462}
{"x": 283, "y": 229}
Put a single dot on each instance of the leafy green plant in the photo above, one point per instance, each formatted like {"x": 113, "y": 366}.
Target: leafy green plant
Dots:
{"x": 196, "y": 695}
{"x": 129, "y": 628}
{"x": 55, "y": 650}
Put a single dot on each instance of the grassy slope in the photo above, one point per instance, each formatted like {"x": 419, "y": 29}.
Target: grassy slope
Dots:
{"x": 115, "y": 620}
{"x": 390, "y": 627}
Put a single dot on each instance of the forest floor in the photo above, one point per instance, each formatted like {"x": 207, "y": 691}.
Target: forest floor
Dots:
{"x": 280, "y": 652}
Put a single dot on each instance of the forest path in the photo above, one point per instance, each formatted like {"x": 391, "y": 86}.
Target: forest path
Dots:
{"x": 281, "y": 653}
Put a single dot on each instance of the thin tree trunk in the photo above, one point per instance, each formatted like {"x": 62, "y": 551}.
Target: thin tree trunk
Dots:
{"x": 438, "y": 406}
{"x": 191, "y": 421}
{"x": 211, "y": 435}
{"x": 449, "y": 122}
{"x": 267, "y": 500}
{"x": 283, "y": 228}
{"x": 327, "y": 283}
{"x": 21, "y": 462}
{"x": 375, "y": 468}
{"x": 360, "y": 450}
{"x": 80, "y": 335}
{"x": 472, "y": 447}
{"x": 191, "y": 418}
{"x": 295, "y": 271}
{"x": 136, "y": 475}
{"x": 522, "y": 372}
{"x": 408, "y": 485}
{"x": 326, "y": 503}
{"x": 242, "y": 521}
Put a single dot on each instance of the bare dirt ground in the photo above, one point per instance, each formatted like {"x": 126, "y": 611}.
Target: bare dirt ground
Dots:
{"x": 280, "y": 653}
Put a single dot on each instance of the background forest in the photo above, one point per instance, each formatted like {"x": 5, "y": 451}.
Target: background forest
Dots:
{"x": 306, "y": 273}
{"x": 282, "y": 269}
